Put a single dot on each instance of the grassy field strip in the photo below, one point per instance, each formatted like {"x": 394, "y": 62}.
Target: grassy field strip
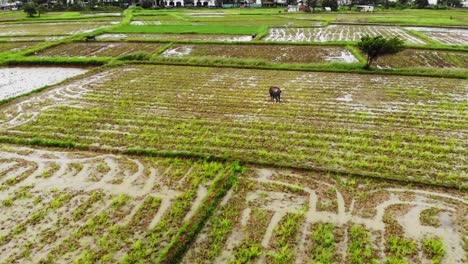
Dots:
{"x": 314, "y": 217}
{"x": 399, "y": 139}
{"x": 182, "y": 37}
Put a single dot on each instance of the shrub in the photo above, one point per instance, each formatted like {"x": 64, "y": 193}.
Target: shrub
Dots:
{"x": 378, "y": 46}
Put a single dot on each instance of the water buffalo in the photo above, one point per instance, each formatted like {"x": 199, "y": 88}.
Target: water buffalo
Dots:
{"x": 275, "y": 93}
{"x": 90, "y": 37}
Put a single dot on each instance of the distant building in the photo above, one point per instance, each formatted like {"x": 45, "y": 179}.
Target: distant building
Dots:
{"x": 182, "y": 3}
{"x": 365, "y": 8}
{"x": 5, "y": 5}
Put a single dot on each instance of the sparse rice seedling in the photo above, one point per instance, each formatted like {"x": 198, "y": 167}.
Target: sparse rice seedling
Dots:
{"x": 379, "y": 123}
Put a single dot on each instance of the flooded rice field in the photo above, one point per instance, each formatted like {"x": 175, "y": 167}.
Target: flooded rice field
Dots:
{"x": 99, "y": 49}
{"x": 337, "y": 33}
{"x": 449, "y": 36}
{"x": 16, "y": 81}
{"x": 271, "y": 53}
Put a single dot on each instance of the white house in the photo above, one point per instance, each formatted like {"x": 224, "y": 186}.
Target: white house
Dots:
{"x": 365, "y": 8}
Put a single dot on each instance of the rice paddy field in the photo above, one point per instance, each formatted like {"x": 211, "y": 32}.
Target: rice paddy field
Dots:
{"x": 272, "y": 53}
{"x": 338, "y": 33}
{"x": 425, "y": 58}
{"x": 446, "y": 36}
{"x": 15, "y": 46}
{"x": 99, "y": 49}
{"x": 158, "y": 142}
{"x": 50, "y": 28}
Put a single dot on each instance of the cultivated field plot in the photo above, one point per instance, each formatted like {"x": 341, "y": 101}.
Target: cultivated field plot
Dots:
{"x": 398, "y": 127}
{"x": 177, "y": 37}
{"x": 162, "y": 19}
{"x": 271, "y": 53}
{"x": 56, "y": 28}
{"x": 337, "y": 33}
{"x": 424, "y": 58}
{"x": 61, "y": 207}
{"x": 10, "y": 16}
{"x": 281, "y": 216}
{"x": 19, "y": 80}
{"x": 31, "y": 38}
{"x": 15, "y": 46}
{"x": 144, "y": 23}
{"x": 99, "y": 49}
{"x": 446, "y": 36}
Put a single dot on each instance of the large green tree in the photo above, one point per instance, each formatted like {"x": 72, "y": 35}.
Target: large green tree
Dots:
{"x": 312, "y": 4}
{"x": 333, "y": 4}
{"x": 378, "y": 46}
{"x": 30, "y": 8}
{"x": 421, "y": 3}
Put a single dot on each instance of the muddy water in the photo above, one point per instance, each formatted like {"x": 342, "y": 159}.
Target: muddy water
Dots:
{"x": 16, "y": 81}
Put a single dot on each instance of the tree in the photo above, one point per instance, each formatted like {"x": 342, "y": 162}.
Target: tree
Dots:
{"x": 333, "y": 4}
{"x": 41, "y": 10}
{"x": 378, "y": 46}
{"x": 420, "y": 4}
{"x": 147, "y": 4}
{"x": 30, "y": 9}
{"x": 313, "y": 4}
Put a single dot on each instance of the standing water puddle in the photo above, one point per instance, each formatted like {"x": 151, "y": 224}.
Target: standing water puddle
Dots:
{"x": 16, "y": 81}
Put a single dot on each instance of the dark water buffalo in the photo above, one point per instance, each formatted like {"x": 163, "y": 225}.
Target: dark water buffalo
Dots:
{"x": 90, "y": 37}
{"x": 275, "y": 93}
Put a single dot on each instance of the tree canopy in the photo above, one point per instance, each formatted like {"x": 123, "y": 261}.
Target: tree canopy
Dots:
{"x": 378, "y": 46}
{"x": 30, "y": 9}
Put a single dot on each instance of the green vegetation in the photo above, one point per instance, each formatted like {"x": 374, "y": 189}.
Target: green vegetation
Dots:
{"x": 323, "y": 244}
{"x": 170, "y": 151}
{"x": 378, "y": 46}
{"x": 360, "y": 249}
{"x": 434, "y": 248}
{"x": 350, "y": 149}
